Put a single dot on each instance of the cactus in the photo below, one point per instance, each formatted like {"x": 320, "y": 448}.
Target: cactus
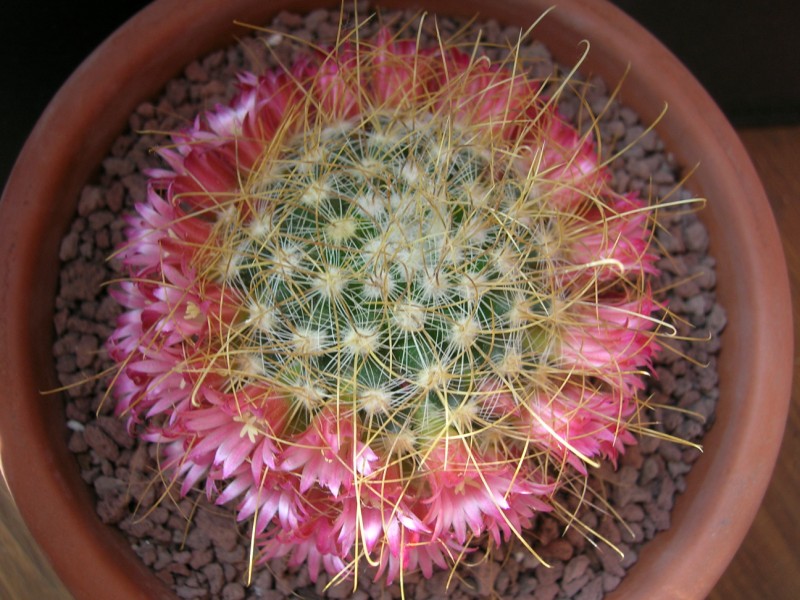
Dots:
{"x": 385, "y": 303}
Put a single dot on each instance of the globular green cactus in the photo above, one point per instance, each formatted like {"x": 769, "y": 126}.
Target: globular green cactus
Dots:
{"x": 388, "y": 302}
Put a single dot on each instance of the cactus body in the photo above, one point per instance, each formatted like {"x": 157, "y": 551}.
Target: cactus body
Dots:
{"x": 387, "y": 303}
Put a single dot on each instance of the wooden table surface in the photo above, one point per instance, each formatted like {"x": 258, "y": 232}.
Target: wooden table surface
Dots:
{"x": 767, "y": 567}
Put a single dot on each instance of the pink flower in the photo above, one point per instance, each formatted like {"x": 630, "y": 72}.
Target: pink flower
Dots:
{"x": 377, "y": 522}
{"x": 620, "y": 246}
{"x": 272, "y": 497}
{"x": 490, "y": 95}
{"x": 329, "y": 454}
{"x": 419, "y": 551}
{"x": 566, "y": 163}
{"x": 578, "y": 423}
{"x": 235, "y": 429}
{"x": 609, "y": 337}
{"x": 312, "y": 542}
{"x": 473, "y": 492}
{"x": 391, "y": 82}
{"x": 160, "y": 234}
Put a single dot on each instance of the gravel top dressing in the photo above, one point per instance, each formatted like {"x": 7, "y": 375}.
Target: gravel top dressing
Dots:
{"x": 197, "y": 548}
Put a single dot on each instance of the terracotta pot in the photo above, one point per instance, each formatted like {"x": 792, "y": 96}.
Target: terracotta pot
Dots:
{"x": 77, "y": 129}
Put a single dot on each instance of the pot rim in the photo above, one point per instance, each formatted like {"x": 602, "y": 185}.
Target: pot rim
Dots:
{"x": 710, "y": 520}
